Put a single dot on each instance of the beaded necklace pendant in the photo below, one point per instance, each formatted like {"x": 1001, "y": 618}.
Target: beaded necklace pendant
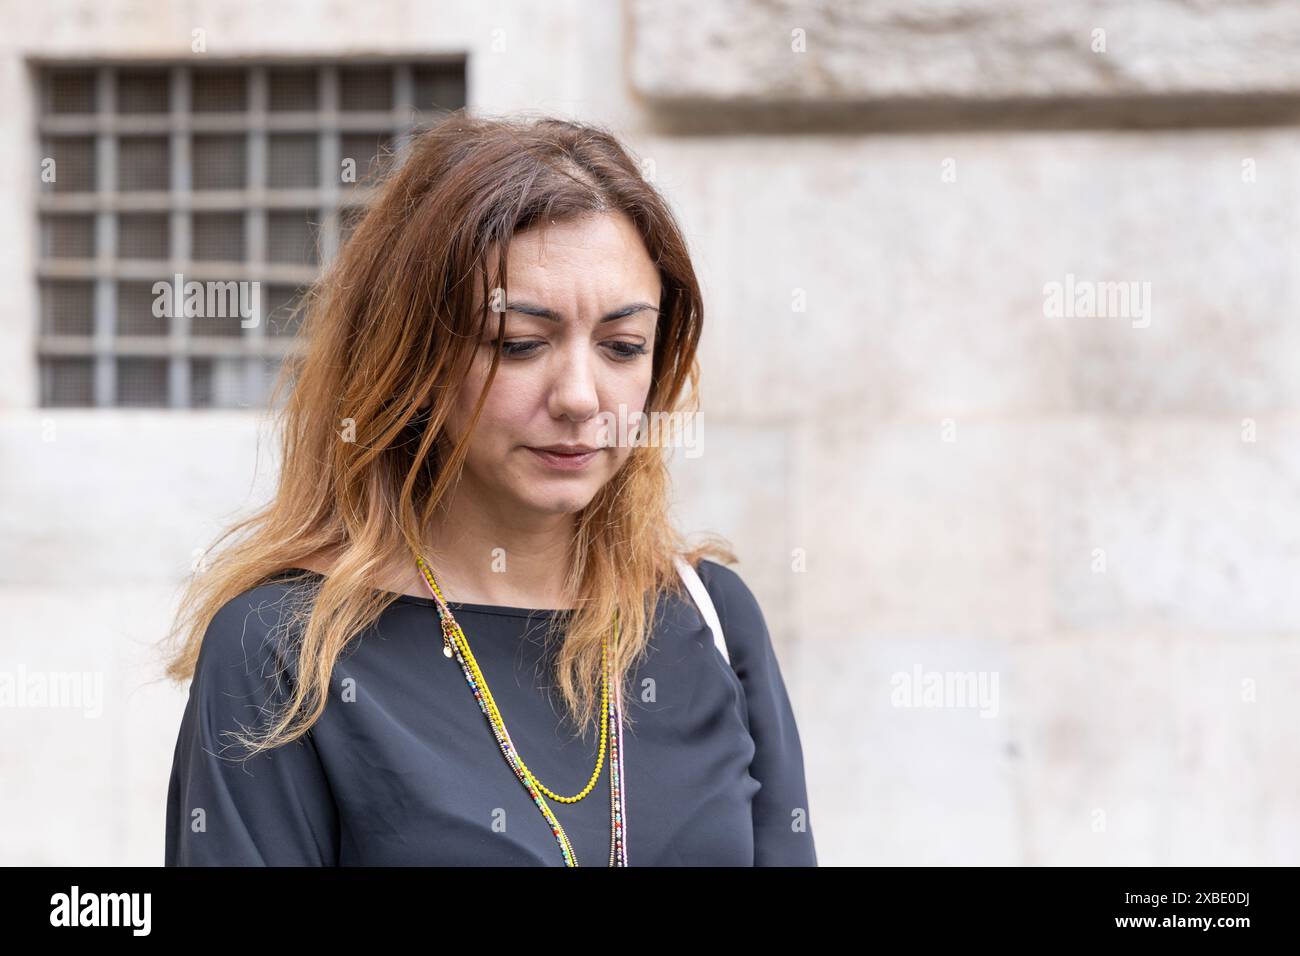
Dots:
{"x": 455, "y": 644}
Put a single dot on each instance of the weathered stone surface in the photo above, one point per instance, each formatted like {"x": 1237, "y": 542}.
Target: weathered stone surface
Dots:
{"x": 738, "y": 51}
{"x": 848, "y": 277}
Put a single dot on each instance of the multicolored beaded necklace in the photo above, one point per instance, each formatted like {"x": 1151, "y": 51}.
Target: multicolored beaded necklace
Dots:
{"x": 455, "y": 643}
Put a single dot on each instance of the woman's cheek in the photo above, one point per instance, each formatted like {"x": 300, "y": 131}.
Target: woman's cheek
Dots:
{"x": 622, "y": 453}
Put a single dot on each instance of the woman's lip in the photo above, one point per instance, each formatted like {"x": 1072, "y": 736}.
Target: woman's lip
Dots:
{"x": 563, "y": 462}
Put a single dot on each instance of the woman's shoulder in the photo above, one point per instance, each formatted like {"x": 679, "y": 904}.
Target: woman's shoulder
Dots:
{"x": 724, "y": 584}
{"x": 739, "y": 613}
{"x": 251, "y": 629}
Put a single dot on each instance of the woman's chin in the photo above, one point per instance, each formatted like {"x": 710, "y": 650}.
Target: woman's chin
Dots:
{"x": 559, "y": 502}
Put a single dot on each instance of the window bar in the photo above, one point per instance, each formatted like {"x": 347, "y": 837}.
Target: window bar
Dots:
{"x": 255, "y": 234}
{"x": 105, "y": 305}
{"x": 330, "y": 148}
{"x": 178, "y": 367}
{"x": 404, "y": 110}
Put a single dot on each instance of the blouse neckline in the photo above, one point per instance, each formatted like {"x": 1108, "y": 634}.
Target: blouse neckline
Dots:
{"x": 501, "y": 610}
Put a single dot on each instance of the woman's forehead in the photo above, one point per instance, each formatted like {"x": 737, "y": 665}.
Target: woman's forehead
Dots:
{"x": 583, "y": 261}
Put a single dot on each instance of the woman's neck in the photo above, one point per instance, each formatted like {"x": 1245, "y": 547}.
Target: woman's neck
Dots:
{"x": 490, "y": 556}
{"x": 479, "y": 556}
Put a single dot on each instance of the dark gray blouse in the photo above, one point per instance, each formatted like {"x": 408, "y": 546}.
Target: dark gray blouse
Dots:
{"x": 402, "y": 767}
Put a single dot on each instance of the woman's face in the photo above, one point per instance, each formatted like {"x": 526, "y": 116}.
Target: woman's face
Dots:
{"x": 580, "y": 319}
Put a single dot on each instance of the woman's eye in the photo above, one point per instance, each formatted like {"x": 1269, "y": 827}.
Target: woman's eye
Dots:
{"x": 627, "y": 350}
{"x": 623, "y": 351}
{"x": 518, "y": 349}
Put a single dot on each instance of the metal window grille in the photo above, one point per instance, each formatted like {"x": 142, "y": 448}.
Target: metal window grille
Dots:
{"x": 224, "y": 174}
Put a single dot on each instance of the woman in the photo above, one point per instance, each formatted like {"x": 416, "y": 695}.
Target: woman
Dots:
{"x": 464, "y": 543}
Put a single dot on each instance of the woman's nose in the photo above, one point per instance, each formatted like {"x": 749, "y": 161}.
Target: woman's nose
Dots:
{"x": 573, "y": 390}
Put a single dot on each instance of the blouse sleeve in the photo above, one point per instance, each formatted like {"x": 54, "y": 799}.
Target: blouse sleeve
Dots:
{"x": 227, "y": 809}
{"x": 782, "y": 829}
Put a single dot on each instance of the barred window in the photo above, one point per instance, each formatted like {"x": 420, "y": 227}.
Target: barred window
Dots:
{"x": 186, "y": 209}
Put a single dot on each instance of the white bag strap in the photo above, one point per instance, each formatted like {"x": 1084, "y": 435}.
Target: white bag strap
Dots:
{"x": 705, "y": 603}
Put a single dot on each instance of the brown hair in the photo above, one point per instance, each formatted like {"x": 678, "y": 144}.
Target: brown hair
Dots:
{"x": 394, "y": 323}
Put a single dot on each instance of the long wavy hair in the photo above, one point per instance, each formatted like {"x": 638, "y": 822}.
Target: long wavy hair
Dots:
{"x": 392, "y": 324}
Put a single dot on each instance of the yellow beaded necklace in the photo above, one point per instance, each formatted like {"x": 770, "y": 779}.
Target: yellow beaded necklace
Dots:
{"x": 456, "y": 644}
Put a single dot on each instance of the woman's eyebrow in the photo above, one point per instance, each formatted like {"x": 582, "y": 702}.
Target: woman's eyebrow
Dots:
{"x": 527, "y": 308}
